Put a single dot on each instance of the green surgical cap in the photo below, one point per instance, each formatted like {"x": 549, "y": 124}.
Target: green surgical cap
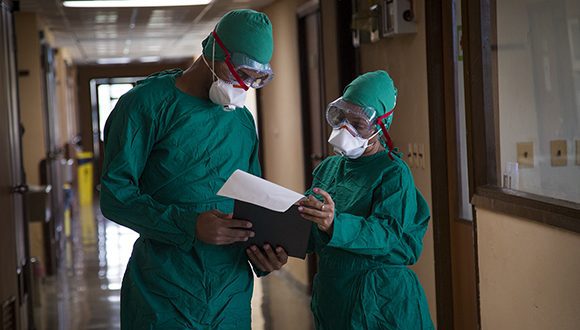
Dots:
{"x": 373, "y": 89}
{"x": 242, "y": 31}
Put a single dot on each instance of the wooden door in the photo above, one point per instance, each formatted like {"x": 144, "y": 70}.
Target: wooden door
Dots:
{"x": 14, "y": 268}
{"x": 51, "y": 172}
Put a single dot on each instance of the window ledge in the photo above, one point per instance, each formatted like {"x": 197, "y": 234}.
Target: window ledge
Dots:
{"x": 546, "y": 210}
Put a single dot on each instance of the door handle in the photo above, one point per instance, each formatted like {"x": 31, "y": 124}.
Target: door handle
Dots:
{"x": 20, "y": 189}
{"x": 52, "y": 155}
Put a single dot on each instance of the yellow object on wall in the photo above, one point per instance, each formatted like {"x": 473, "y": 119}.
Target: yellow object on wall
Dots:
{"x": 85, "y": 177}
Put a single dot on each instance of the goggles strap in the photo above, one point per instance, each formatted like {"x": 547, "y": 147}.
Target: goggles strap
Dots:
{"x": 229, "y": 61}
{"x": 386, "y": 133}
{"x": 212, "y": 67}
{"x": 372, "y": 136}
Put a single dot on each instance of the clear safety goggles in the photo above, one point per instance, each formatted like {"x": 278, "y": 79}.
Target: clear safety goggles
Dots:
{"x": 243, "y": 69}
{"x": 359, "y": 121}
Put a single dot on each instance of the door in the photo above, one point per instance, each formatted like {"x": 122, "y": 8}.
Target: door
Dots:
{"x": 51, "y": 172}
{"x": 451, "y": 157}
{"x": 311, "y": 75}
{"x": 341, "y": 68}
{"x": 50, "y": 167}
{"x": 13, "y": 241}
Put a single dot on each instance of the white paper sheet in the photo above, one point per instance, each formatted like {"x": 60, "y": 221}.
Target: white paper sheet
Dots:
{"x": 252, "y": 189}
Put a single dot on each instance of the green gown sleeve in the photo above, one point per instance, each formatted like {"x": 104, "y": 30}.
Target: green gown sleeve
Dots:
{"x": 318, "y": 240}
{"x": 130, "y": 134}
{"x": 398, "y": 220}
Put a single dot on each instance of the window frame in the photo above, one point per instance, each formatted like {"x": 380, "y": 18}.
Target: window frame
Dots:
{"x": 480, "y": 33}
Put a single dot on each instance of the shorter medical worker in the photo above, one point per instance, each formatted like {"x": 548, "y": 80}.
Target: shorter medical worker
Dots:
{"x": 369, "y": 218}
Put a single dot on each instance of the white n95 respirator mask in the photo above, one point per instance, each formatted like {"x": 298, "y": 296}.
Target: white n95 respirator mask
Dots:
{"x": 346, "y": 144}
{"x": 227, "y": 95}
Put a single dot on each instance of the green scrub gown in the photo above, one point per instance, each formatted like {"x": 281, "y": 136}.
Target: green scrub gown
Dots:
{"x": 363, "y": 281}
{"x": 166, "y": 155}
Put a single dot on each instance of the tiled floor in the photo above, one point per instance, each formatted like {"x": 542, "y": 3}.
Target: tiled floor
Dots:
{"x": 86, "y": 293}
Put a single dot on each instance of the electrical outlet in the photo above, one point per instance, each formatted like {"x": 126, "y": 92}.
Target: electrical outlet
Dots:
{"x": 525, "y": 152}
{"x": 578, "y": 152}
{"x": 559, "y": 153}
{"x": 416, "y": 159}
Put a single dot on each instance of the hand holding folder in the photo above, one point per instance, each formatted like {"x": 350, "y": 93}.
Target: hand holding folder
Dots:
{"x": 270, "y": 208}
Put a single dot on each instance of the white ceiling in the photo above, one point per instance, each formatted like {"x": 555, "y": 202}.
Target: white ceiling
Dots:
{"x": 137, "y": 33}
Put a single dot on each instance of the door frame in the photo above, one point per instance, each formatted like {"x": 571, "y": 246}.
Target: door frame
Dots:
{"x": 309, "y": 8}
{"x": 443, "y": 137}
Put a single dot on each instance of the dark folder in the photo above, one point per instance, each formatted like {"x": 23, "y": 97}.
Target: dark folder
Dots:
{"x": 286, "y": 229}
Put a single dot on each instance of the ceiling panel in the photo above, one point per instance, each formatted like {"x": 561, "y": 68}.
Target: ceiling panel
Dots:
{"x": 170, "y": 32}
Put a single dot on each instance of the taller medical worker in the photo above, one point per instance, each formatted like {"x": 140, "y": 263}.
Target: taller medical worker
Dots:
{"x": 170, "y": 144}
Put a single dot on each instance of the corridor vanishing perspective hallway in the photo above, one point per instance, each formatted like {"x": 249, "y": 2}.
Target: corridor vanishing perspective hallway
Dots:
{"x": 484, "y": 104}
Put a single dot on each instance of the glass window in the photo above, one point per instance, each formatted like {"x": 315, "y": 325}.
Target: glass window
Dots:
{"x": 538, "y": 96}
{"x": 108, "y": 95}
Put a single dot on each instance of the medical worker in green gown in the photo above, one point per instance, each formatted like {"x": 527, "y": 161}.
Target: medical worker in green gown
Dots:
{"x": 369, "y": 218}
{"x": 170, "y": 144}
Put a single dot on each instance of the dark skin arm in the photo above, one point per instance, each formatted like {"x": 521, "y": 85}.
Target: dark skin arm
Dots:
{"x": 269, "y": 260}
{"x": 214, "y": 227}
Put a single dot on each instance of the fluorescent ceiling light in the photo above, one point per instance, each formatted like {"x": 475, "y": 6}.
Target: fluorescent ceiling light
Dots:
{"x": 132, "y": 3}
{"x": 150, "y": 59}
{"x": 114, "y": 60}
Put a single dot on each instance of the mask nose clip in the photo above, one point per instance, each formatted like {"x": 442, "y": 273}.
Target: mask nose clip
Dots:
{"x": 349, "y": 130}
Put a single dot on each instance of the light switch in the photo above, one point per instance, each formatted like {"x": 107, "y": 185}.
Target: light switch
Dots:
{"x": 525, "y": 152}
{"x": 559, "y": 153}
{"x": 578, "y": 152}
{"x": 410, "y": 155}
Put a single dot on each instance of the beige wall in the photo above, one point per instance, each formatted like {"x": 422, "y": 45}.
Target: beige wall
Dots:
{"x": 280, "y": 112}
{"x": 529, "y": 274}
{"x": 30, "y": 93}
{"x": 404, "y": 57}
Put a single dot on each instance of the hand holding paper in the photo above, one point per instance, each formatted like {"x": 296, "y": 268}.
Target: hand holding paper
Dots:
{"x": 270, "y": 208}
{"x": 322, "y": 214}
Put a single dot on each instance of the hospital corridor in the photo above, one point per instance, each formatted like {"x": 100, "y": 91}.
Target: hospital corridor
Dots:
{"x": 290, "y": 164}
